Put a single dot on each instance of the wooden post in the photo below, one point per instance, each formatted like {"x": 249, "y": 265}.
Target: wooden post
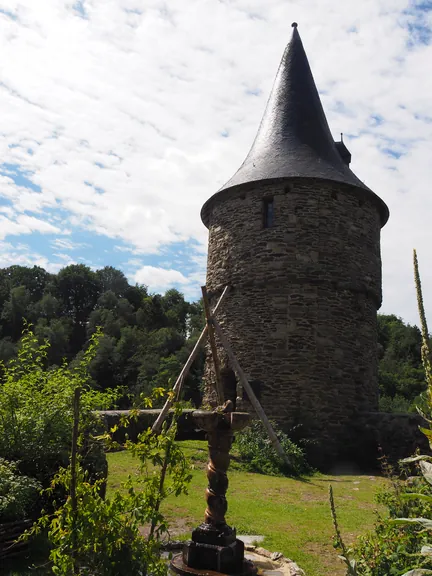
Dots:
{"x": 73, "y": 484}
{"x": 179, "y": 382}
{"x": 212, "y": 340}
{"x": 253, "y": 399}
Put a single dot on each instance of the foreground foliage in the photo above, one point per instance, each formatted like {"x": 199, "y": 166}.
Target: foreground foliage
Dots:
{"x": 36, "y": 410}
{"x": 401, "y": 542}
{"x": 95, "y": 536}
{"x": 392, "y": 549}
{"x": 102, "y": 538}
{"x": 18, "y": 494}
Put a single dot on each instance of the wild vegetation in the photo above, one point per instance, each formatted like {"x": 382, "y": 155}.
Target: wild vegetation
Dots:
{"x": 257, "y": 453}
{"x": 401, "y": 542}
{"x": 53, "y": 470}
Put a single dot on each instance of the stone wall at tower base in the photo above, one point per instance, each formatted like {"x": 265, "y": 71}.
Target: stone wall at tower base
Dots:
{"x": 394, "y": 436}
{"x": 371, "y": 437}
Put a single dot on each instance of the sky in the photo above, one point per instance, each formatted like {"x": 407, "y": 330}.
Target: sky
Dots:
{"x": 119, "y": 118}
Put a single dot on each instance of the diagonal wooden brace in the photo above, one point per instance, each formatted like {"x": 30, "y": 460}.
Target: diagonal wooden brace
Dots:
{"x": 253, "y": 399}
{"x": 185, "y": 370}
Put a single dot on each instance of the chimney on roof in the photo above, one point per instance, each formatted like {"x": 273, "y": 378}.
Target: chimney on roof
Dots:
{"x": 344, "y": 153}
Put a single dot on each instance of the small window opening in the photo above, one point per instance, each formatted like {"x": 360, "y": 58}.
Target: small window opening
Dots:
{"x": 268, "y": 213}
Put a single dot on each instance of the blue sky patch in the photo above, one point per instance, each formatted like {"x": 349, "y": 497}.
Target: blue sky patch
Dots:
{"x": 19, "y": 176}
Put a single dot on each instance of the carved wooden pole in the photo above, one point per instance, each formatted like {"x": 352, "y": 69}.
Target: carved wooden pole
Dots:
{"x": 219, "y": 444}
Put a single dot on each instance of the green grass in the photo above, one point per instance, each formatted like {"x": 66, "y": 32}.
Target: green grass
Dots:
{"x": 293, "y": 515}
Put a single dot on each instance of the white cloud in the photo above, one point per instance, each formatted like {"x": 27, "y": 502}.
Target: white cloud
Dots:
{"x": 22, "y": 255}
{"x": 25, "y": 224}
{"x": 133, "y": 100}
{"x": 159, "y": 279}
{"x": 65, "y": 244}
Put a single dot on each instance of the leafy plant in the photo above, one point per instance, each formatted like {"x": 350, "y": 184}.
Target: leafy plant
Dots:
{"x": 36, "y": 408}
{"x": 391, "y": 549}
{"x": 102, "y": 538}
{"x": 93, "y": 536}
{"x": 257, "y": 452}
{"x": 402, "y": 541}
{"x": 339, "y": 544}
{"x": 18, "y": 494}
{"x": 164, "y": 470}
{"x": 424, "y": 462}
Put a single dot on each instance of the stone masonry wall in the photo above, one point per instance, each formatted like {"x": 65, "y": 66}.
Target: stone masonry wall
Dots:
{"x": 301, "y": 316}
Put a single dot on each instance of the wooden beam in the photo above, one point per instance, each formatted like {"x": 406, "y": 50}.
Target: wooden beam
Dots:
{"x": 253, "y": 399}
{"x": 73, "y": 481}
{"x": 185, "y": 370}
{"x": 212, "y": 340}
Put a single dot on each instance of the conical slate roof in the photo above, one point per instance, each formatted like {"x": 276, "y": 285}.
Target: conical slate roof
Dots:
{"x": 294, "y": 139}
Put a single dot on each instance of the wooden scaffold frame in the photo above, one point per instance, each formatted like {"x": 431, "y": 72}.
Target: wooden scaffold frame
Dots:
{"x": 211, "y": 329}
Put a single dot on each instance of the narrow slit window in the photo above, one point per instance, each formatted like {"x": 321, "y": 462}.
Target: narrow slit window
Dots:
{"x": 268, "y": 212}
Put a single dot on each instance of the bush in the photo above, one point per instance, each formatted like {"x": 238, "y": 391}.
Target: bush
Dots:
{"x": 19, "y": 495}
{"x": 36, "y": 410}
{"x": 397, "y": 404}
{"x": 391, "y": 548}
{"x": 257, "y": 452}
{"x": 92, "y": 536}
{"x": 102, "y": 538}
{"x": 400, "y": 544}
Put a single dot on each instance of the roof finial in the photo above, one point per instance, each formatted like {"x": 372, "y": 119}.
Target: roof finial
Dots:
{"x": 341, "y": 136}
{"x": 294, "y": 24}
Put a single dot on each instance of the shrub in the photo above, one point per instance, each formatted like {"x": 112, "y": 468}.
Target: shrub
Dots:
{"x": 36, "y": 410}
{"x": 257, "y": 452}
{"x": 19, "y": 495}
{"x": 92, "y": 536}
{"x": 102, "y": 538}
{"x": 391, "y": 549}
{"x": 401, "y": 544}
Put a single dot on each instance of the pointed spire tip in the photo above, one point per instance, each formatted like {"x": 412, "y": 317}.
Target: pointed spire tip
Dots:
{"x": 294, "y": 24}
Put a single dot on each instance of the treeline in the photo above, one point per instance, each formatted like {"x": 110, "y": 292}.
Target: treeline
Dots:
{"x": 146, "y": 337}
{"x": 400, "y": 375}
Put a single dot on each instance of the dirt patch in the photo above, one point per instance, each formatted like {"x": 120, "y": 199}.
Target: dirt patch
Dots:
{"x": 177, "y": 527}
{"x": 327, "y": 555}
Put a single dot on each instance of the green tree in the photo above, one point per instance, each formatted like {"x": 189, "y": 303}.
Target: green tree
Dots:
{"x": 113, "y": 280}
{"x": 400, "y": 374}
{"x": 34, "y": 279}
{"x": 78, "y": 288}
{"x": 15, "y": 311}
{"x": 176, "y": 310}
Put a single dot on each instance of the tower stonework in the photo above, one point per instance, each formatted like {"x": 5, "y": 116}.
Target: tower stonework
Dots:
{"x": 297, "y": 237}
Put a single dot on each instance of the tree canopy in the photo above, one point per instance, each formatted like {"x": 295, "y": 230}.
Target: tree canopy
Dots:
{"x": 400, "y": 375}
{"x": 146, "y": 337}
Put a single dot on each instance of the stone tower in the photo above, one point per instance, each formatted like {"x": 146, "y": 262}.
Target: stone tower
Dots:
{"x": 297, "y": 236}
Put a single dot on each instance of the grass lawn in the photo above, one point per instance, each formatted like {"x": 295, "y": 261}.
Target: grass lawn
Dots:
{"x": 293, "y": 515}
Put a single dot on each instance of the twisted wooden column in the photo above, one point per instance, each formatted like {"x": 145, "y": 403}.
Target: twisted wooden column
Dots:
{"x": 214, "y": 545}
{"x": 219, "y": 444}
